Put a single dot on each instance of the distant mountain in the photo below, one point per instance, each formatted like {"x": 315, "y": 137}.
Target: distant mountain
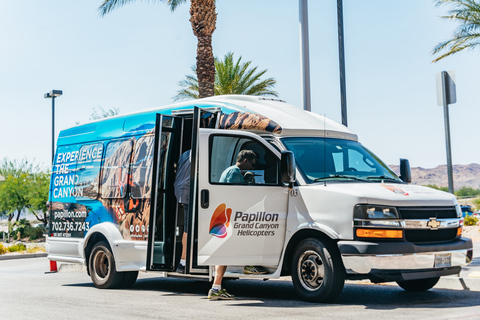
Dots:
{"x": 463, "y": 175}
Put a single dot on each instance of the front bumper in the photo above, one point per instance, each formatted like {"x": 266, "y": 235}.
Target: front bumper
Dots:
{"x": 392, "y": 261}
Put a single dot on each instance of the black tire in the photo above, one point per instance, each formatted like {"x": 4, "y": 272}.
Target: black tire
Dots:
{"x": 318, "y": 273}
{"x": 129, "y": 279}
{"x": 102, "y": 267}
{"x": 419, "y": 284}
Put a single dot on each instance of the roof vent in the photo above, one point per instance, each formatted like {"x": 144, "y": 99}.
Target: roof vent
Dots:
{"x": 271, "y": 99}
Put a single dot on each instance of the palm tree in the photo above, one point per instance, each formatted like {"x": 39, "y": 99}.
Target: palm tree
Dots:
{"x": 467, "y": 35}
{"x": 203, "y": 19}
{"x": 230, "y": 78}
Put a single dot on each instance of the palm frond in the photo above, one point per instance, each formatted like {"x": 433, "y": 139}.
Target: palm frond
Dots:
{"x": 467, "y": 35}
{"x": 174, "y": 3}
{"x": 231, "y": 77}
{"x": 457, "y": 48}
{"x": 189, "y": 87}
{"x": 109, "y": 5}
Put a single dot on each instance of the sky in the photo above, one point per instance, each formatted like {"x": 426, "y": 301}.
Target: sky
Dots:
{"x": 134, "y": 57}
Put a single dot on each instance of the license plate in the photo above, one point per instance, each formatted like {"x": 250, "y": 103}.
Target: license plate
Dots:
{"x": 443, "y": 260}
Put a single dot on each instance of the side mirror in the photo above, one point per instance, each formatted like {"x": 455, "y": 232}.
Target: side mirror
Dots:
{"x": 288, "y": 168}
{"x": 405, "y": 173}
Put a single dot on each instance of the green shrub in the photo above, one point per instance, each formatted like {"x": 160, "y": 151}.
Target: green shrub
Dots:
{"x": 467, "y": 192}
{"x": 470, "y": 220}
{"x": 21, "y": 226}
{"x": 433, "y": 186}
{"x": 34, "y": 233}
{"x": 17, "y": 247}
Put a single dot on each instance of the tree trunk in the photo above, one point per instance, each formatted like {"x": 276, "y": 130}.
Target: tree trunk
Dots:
{"x": 42, "y": 218}
{"x": 203, "y": 19}
{"x": 205, "y": 67}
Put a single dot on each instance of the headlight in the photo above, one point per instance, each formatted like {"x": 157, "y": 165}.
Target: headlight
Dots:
{"x": 379, "y": 222}
{"x": 375, "y": 212}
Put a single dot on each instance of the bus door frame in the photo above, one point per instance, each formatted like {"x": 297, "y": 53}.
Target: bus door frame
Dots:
{"x": 159, "y": 195}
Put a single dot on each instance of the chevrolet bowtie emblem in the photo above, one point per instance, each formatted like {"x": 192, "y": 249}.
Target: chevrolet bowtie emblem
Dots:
{"x": 433, "y": 223}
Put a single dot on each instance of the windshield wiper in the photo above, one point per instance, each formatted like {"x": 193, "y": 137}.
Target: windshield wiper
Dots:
{"x": 383, "y": 178}
{"x": 340, "y": 176}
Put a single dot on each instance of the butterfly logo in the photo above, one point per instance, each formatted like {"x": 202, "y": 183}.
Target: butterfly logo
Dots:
{"x": 220, "y": 221}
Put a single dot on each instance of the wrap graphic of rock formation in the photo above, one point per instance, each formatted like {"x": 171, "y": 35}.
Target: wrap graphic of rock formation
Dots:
{"x": 248, "y": 121}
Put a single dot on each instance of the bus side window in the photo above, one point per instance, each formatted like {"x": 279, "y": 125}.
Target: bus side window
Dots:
{"x": 221, "y": 156}
{"x": 142, "y": 165}
{"x": 88, "y": 170}
{"x": 267, "y": 167}
{"x": 116, "y": 169}
{"x": 224, "y": 152}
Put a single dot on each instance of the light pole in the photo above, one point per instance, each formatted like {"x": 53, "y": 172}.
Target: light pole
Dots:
{"x": 53, "y": 94}
{"x": 304, "y": 54}
{"x": 341, "y": 55}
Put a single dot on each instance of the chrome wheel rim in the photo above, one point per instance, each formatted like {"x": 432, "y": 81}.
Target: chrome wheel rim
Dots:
{"x": 311, "y": 270}
{"x": 101, "y": 265}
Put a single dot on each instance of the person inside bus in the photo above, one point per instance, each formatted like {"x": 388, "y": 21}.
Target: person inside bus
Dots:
{"x": 246, "y": 160}
{"x": 182, "y": 192}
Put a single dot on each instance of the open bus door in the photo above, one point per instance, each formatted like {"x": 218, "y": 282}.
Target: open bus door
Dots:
{"x": 162, "y": 250}
{"x": 202, "y": 118}
{"x": 163, "y": 211}
{"x": 240, "y": 221}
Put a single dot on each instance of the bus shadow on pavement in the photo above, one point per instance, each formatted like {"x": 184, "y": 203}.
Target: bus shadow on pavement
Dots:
{"x": 257, "y": 293}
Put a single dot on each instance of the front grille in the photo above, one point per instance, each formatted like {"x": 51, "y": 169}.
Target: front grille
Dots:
{"x": 427, "y": 235}
{"x": 426, "y": 213}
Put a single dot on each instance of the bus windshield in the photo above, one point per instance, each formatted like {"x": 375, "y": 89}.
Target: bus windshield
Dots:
{"x": 320, "y": 159}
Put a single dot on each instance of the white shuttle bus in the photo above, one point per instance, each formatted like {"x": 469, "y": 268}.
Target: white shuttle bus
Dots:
{"x": 321, "y": 207}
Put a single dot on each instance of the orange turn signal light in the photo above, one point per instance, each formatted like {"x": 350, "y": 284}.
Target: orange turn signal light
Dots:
{"x": 379, "y": 233}
{"x": 459, "y": 231}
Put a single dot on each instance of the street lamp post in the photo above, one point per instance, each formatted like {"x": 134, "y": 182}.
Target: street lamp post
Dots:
{"x": 341, "y": 55}
{"x": 304, "y": 54}
{"x": 53, "y": 94}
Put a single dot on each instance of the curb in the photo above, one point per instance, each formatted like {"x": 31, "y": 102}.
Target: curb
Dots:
{"x": 23, "y": 255}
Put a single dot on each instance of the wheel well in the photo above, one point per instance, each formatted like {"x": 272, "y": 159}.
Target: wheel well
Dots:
{"x": 295, "y": 240}
{"x": 94, "y": 239}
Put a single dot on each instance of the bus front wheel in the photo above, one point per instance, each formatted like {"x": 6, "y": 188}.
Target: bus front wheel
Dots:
{"x": 318, "y": 273}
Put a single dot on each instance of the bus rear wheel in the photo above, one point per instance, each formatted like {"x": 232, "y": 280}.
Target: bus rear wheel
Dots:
{"x": 318, "y": 273}
{"x": 102, "y": 267}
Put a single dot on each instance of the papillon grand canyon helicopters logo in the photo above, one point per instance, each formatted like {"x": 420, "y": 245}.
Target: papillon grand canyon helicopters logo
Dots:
{"x": 220, "y": 221}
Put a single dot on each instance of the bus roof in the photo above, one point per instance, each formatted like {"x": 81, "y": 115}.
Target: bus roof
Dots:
{"x": 253, "y": 113}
